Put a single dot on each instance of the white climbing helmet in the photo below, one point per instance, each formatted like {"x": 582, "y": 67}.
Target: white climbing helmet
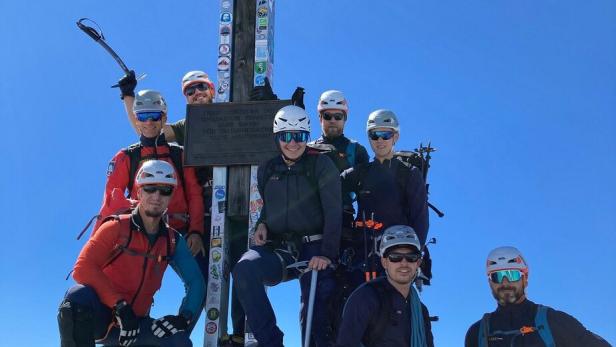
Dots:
{"x": 333, "y": 100}
{"x": 291, "y": 118}
{"x": 506, "y": 258}
{"x": 156, "y": 172}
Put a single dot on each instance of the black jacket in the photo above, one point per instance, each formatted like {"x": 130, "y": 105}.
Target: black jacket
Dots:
{"x": 302, "y": 199}
{"x": 566, "y": 330}
{"x": 362, "y": 308}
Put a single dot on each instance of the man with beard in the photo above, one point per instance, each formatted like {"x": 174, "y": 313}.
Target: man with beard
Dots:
{"x": 518, "y": 321}
{"x": 387, "y": 311}
{"x": 122, "y": 266}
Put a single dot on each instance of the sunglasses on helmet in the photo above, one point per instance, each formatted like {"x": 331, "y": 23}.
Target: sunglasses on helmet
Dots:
{"x": 337, "y": 116}
{"x": 154, "y": 116}
{"x": 198, "y": 86}
{"x": 500, "y": 275}
{"x": 409, "y": 257}
{"x": 163, "y": 190}
{"x": 298, "y": 137}
{"x": 380, "y": 134}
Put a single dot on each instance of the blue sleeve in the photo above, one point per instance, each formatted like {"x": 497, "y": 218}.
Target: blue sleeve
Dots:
{"x": 185, "y": 265}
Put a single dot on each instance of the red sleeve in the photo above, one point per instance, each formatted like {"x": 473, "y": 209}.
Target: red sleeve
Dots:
{"x": 117, "y": 178}
{"x": 194, "y": 198}
{"x": 89, "y": 266}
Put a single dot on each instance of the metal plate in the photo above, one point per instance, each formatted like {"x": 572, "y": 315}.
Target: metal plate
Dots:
{"x": 223, "y": 134}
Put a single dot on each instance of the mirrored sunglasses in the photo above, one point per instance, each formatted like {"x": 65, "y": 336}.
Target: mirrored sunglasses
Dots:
{"x": 298, "y": 137}
{"x": 152, "y": 115}
{"x": 511, "y": 275}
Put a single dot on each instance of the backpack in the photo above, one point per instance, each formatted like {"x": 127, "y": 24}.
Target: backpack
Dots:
{"x": 134, "y": 154}
{"x": 541, "y": 327}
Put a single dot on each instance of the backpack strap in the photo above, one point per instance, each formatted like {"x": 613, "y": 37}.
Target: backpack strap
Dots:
{"x": 134, "y": 155}
{"x": 176, "y": 153}
{"x": 402, "y": 177}
{"x": 543, "y": 328}
{"x": 484, "y": 331}
{"x": 124, "y": 238}
{"x": 351, "y": 150}
{"x": 379, "y": 321}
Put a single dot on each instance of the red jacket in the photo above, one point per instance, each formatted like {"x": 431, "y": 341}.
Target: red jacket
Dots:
{"x": 183, "y": 202}
{"x": 125, "y": 276}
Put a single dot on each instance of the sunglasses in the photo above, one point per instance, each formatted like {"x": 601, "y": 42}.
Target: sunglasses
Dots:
{"x": 193, "y": 89}
{"x": 154, "y": 116}
{"x": 511, "y": 275}
{"x": 298, "y": 137}
{"x": 381, "y": 134}
{"x": 409, "y": 257}
{"x": 336, "y": 116}
{"x": 163, "y": 190}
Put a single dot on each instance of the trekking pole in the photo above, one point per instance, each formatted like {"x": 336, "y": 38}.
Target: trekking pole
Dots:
{"x": 100, "y": 39}
{"x": 425, "y": 165}
{"x": 313, "y": 289}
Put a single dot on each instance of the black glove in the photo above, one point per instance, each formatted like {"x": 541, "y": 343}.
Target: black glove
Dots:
{"x": 168, "y": 325}
{"x": 129, "y": 324}
{"x": 262, "y": 93}
{"x": 298, "y": 97}
{"x": 127, "y": 85}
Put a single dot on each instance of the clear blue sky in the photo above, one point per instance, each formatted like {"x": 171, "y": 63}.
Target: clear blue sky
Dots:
{"x": 518, "y": 96}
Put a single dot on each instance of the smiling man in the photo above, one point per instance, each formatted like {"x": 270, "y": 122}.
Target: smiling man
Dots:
{"x": 518, "y": 321}
{"x": 122, "y": 266}
{"x": 300, "y": 221}
{"x": 387, "y": 311}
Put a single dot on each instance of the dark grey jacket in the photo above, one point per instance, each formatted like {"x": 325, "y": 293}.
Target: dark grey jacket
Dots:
{"x": 302, "y": 199}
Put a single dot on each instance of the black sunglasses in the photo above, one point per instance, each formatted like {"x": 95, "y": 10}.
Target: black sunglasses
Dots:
{"x": 163, "y": 190}
{"x": 193, "y": 89}
{"x": 397, "y": 257}
{"x": 336, "y": 116}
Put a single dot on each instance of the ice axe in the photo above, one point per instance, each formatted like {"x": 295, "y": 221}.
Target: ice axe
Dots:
{"x": 97, "y": 35}
{"x": 313, "y": 289}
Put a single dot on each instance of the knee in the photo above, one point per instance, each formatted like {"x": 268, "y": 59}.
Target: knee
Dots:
{"x": 243, "y": 274}
{"x": 81, "y": 295}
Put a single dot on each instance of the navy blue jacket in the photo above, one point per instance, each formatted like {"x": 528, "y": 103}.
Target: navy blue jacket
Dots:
{"x": 363, "y": 306}
{"x": 379, "y": 192}
{"x": 566, "y": 330}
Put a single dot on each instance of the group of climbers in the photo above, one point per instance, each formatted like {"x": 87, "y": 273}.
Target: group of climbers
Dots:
{"x": 367, "y": 257}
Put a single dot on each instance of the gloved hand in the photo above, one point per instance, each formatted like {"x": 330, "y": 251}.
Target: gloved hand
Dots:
{"x": 262, "y": 93}
{"x": 298, "y": 97}
{"x": 129, "y": 324}
{"x": 127, "y": 85}
{"x": 168, "y": 325}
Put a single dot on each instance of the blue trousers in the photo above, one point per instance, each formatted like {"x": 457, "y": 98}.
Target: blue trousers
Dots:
{"x": 86, "y": 297}
{"x": 263, "y": 266}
